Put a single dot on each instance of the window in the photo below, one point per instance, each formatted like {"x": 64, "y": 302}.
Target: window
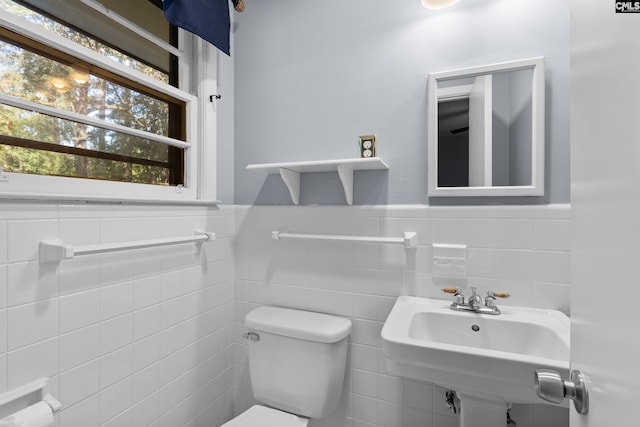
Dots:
{"x": 83, "y": 117}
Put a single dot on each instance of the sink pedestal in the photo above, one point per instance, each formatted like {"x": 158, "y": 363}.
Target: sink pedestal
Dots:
{"x": 479, "y": 412}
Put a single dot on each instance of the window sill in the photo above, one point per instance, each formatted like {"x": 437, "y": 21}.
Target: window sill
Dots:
{"x": 16, "y": 197}
{"x": 26, "y": 187}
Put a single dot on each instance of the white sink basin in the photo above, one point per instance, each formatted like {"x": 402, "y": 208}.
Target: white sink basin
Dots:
{"x": 493, "y": 357}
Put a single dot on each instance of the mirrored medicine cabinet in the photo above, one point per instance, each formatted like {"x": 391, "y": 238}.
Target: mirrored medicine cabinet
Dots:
{"x": 486, "y": 130}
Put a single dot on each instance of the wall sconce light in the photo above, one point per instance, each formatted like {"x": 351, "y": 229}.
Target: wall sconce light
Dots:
{"x": 438, "y": 4}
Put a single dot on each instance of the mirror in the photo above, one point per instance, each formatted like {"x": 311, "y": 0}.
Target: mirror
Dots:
{"x": 486, "y": 130}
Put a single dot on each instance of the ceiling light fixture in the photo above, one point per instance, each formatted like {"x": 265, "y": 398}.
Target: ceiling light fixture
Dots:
{"x": 438, "y": 4}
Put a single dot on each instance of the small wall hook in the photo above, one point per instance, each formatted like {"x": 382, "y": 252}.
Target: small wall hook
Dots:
{"x": 212, "y": 97}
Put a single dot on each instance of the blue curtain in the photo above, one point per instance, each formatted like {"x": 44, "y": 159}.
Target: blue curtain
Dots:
{"x": 208, "y": 19}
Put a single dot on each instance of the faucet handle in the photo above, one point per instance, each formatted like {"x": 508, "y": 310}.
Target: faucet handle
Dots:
{"x": 457, "y": 294}
{"x": 455, "y": 291}
{"x": 490, "y": 299}
{"x": 499, "y": 294}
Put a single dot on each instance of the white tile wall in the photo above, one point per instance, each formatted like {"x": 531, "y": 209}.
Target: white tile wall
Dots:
{"x": 520, "y": 249}
{"x": 151, "y": 337}
{"x": 141, "y": 338}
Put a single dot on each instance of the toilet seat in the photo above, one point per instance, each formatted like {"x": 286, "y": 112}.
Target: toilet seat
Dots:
{"x": 261, "y": 416}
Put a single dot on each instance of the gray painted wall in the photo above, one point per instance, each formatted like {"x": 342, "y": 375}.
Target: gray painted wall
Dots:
{"x": 311, "y": 76}
{"x": 225, "y": 127}
{"x": 521, "y": 101}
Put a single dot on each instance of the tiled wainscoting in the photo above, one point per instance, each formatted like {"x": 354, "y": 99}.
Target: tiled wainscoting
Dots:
{"x": 137, "y": 338}
{"x": 152, "y": 337}
{"x": 520, "y": 249}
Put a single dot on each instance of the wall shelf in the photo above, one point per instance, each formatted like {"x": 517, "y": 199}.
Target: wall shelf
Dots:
{"x": 290, "y": 172}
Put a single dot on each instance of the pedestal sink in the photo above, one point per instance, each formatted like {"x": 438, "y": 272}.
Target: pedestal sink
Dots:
{"x": 488, "y": 360}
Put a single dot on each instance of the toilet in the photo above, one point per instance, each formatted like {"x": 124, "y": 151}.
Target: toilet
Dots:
{"x": 297, "y": 362}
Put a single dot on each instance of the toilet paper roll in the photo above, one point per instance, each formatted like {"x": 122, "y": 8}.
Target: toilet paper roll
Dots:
{"x": 38, "y": 415}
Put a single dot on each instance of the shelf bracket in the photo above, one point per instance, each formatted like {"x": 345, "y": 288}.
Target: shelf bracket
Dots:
{"x": 345, "y": 172}
{"x": 292, "y": 180}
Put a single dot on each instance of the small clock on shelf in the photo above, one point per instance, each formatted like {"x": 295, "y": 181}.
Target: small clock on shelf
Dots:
{"x": 367, "y": 146}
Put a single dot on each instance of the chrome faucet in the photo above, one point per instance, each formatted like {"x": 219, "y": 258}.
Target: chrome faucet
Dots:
{"x": 475, "y": 303}
{"x": 475, "y": 300}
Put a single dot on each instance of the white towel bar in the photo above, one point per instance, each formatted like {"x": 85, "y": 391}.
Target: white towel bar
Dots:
{"x": 55, "y": 250}
{"x": 410, "y": 239}
{"x": 27, "y": 395}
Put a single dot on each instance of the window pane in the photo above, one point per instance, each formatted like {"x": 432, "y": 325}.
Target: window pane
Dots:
{"x": 26, "y": 160}
{"x": 38, "y": 144}
{"x": 150, "y": 60}
{"x": 33, "y": 77}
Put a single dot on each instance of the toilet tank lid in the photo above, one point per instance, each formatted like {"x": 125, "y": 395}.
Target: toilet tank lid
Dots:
{"x": 304, "y": 325}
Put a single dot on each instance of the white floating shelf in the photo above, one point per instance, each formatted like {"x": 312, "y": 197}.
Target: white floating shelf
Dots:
{"x": 290, "y": 172}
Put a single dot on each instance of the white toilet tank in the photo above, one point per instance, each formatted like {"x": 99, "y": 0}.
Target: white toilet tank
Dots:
{"x": 298, "y": 362}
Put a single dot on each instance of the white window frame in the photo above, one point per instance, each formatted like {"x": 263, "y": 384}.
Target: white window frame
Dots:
{"x": 199, "y": 62}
